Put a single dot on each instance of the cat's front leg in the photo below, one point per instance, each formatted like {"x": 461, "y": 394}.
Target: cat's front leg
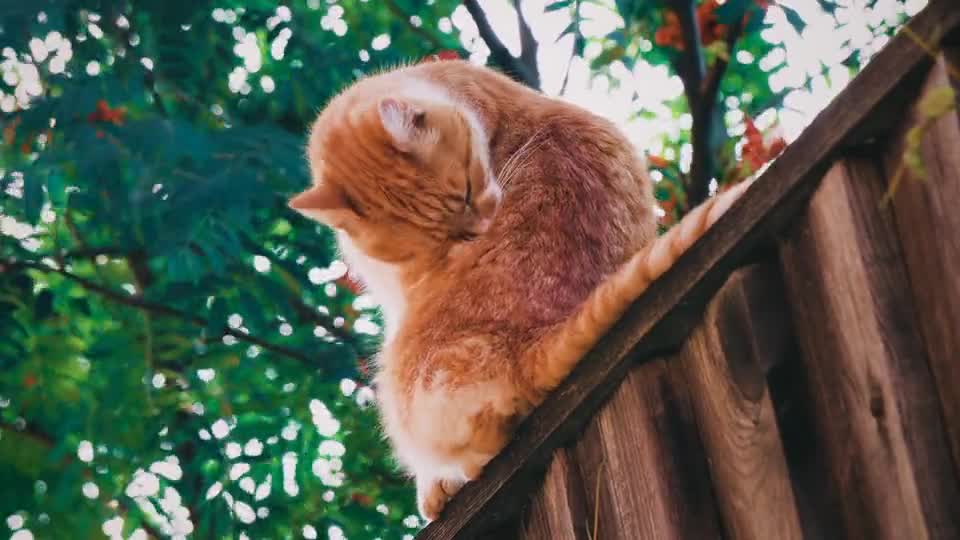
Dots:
{"x": 434, "y": 493}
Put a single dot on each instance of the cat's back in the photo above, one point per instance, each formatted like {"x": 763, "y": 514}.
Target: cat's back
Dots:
{"x": 577, "y": 202}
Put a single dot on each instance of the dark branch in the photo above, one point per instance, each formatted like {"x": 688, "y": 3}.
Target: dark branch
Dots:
{"x": 499, "y": 54}
{"x": 566, "y": 73}
{"x": 702, "y": 90}
{"x": 29, "y": 432}
{"x": 576, "y": 50}
{"x": 710, "y": 87}
{"x": 528, "y": 44}
{"x": 137, "y": 260}
{"x": 707, "y": 118}
{"x": 167, "y": 311}
{"x": 691, "y": 66}
{"x": 91, "y": 252}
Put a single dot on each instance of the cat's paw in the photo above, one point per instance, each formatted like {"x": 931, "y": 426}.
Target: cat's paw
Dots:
{"x": 472, "y": 471}
{"x": 472, "y": 465}
{"x": 433, "y": 496}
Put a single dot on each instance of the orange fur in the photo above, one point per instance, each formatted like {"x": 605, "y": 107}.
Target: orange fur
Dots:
{"x": 555, "y": 356}
{"x": 502, "y": 232}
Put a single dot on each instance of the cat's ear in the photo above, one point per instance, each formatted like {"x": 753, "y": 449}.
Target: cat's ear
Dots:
{"x": 405, "y": 123}
{"x": 325, "y": 203}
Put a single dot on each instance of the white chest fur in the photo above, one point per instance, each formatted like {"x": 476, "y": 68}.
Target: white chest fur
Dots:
{"x": 381, "y": 280}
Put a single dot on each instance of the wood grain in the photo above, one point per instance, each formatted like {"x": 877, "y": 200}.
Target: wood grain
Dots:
{"x": 674, "y": 301}
{"x": 928, "y": 223}
{"x": 642, "y": 453}
{"x": 559, "y": 510}
{"x": 818, "y": 502}
{"x": 724, "y": 361}
{"x": 877, "y": 411}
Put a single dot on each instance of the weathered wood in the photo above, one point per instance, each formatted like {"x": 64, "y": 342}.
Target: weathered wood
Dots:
{"x": 818, "y": 503}
{"x": 558, "y": 510}
{"x": 765, "y": 207}
{"x": 928, "y": 221}
{"x": 878, "y": 415}
{"x": 642, "y": 463}
{"x": 724, "y": 362}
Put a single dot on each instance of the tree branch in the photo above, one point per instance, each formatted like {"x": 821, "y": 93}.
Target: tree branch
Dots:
{"x": 702, "y": 90}
{"x": 160, "y": 309}
{"x": 137, "y": 260}
{"x": 28, "y": 432}
{"x": 566, "y": 74}
{"x": 528, "y": 44}
{"x": 92, "y": 252}
{"x": 691, "y": 66}
{"x": 706, "y": 119}
{"x": 710, "y": 86}
{"x": 499, "y": 54}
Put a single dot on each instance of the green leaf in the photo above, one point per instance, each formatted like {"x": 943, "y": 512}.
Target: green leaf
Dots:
{"x": 912, "y": 157}
{"x": 720, "y": 50}
{"x": 853, "y": 60}
{"x": 56, "y": 190}
{"x": 627, "y": 8}
{"x": 579, "y": 44}
{"x": 608, "y": 56}
{"x": 828, "y": 5}
{"x": 793, "y": 18}
{"x": 558, "y": 5}
{"x": 570, "y": 29}
{"x": 938, "y": 102}
{"x": 732, "y": 11}
{"x": 825, "y": 71}
{"x": 32, "y": 198}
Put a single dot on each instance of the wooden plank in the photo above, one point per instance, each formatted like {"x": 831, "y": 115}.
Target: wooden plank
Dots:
{"x": 818, "y": 502}
{"x": 558, "y": 510}
{"x": 771, "y": 202}
{"x": 928, "y": 222}
{"x": 878, "y": 416}
{"x": 725, "y": 361}
{"x": 642, "y": 463}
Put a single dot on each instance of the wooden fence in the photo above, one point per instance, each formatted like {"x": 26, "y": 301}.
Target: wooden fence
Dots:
{"x": 797, "y": 373}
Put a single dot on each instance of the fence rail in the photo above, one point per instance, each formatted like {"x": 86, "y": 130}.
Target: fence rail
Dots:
{"x": 797, "y": 373}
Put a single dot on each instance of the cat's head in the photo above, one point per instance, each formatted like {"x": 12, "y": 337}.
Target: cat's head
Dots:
{"x": 401, "y": 176}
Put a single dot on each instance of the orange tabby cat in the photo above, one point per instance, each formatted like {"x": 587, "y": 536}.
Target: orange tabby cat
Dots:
{"x": 503, "y": 232}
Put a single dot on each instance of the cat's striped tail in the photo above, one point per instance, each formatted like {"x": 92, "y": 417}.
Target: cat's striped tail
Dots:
{"x": 560, "y": 350}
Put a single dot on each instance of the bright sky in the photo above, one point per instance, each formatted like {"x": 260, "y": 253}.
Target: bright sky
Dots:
{"x": 821, "y": 41}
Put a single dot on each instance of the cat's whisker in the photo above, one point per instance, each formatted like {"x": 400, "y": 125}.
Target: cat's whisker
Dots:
{"x": 506, "y": 168}
{"x": 520, "y": 159}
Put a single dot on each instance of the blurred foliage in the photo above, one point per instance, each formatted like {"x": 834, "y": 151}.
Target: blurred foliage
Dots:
{"x": 180, "y": 354}
{"x": 737, "y": 61}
